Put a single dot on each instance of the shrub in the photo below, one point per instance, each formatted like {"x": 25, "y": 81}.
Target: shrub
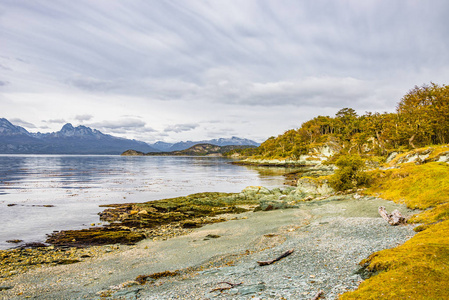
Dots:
{"x": 349, "y": 174}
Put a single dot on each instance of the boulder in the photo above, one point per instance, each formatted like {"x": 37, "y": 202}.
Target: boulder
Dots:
{"x": 307, "y": 187}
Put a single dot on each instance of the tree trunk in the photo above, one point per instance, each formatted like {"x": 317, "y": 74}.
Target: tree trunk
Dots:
{"x": 410, "y": 141}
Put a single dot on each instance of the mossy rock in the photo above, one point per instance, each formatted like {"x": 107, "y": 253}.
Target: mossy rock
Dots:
{"x": 94, "y": 236}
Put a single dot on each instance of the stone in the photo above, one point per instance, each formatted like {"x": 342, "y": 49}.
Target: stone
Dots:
{"x": 127, "y": 293}
{"x": 391, "y": 157}
{"x": 252, "y": 289}
{"x": 14, "y": 241}
{"x": 311, "y": 187}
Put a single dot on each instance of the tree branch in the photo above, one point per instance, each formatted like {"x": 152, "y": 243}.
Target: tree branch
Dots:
{"x": 269, "y": 262}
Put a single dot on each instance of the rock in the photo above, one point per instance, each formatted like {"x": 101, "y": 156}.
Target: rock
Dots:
{"x": 443, "y": 157}
{"x": 391, "y": 157}
{"x": 190, "y": 224}
{"x": 14, "y": 241}
{"x": 252, "y": 289}
{"x": 127, "y": 294}
{"x": 254, "y": 190}
{"x": 312, "y": 187}
{"x": 212, "y": 236}
{"x": 417, "y": 156}
{"x": 267, "y": 205}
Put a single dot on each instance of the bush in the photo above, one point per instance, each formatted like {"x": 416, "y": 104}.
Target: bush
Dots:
{"x": 349, "y": 174}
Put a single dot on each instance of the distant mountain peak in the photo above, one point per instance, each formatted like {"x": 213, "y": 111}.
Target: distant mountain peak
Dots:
{"x": 7, "y": 128}
{"x": 67, "y": 127}
{"x": 69, "y": 140}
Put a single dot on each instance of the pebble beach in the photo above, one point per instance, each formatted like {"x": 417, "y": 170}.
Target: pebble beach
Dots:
{"x": 329, "y": 238}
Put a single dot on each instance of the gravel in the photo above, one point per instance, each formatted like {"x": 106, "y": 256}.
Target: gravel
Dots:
{"x": 325, "y": 258}
{"x": 329, "y": 237}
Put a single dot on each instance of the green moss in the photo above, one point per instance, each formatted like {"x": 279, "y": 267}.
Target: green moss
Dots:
{"x": 94, "y": 236}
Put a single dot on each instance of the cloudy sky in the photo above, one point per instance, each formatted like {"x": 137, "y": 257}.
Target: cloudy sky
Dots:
{"x": 189, "y": 70}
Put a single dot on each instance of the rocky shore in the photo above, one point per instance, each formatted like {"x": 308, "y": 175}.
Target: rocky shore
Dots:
{"x": 193, "y": 251}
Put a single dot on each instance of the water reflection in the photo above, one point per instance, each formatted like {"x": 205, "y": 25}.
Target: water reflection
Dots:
{"x": 73, "y": 187}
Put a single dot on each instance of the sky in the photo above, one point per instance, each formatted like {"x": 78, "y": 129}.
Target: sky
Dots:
{"x": 176, "y": 70}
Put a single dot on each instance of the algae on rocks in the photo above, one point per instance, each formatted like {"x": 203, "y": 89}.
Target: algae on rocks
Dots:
{"x": 132, "y": 222}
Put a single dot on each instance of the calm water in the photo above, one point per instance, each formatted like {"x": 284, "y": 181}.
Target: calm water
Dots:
{"x": 75, "y": 186}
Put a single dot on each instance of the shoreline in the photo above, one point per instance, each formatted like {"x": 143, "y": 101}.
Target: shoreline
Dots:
{"x": 231, "y": 244}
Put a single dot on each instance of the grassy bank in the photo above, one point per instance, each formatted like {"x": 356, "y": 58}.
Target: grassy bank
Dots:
{"x": 418, "y": 269}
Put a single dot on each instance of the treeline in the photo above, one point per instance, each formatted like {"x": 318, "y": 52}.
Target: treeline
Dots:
{"x": 421, "y": 119}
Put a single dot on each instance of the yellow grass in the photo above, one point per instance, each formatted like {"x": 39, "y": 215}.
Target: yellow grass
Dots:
{"x": 418, "y": 269}
{"x": 417, "y": 186}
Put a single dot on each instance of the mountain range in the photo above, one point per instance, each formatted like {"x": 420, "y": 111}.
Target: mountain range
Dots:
{"x": 85, "y": 140}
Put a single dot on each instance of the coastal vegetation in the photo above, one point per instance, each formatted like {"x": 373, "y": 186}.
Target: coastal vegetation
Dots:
{"x": 416, "y": 177}
{"x": 418, "y": 269}
{"x": 401, "y": 156}
{"x": 421, "y": 119}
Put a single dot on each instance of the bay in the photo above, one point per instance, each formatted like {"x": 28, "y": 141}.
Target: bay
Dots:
{"x": 43, "y": 193}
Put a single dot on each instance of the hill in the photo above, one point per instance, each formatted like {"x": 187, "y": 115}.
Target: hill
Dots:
{"x": 69, "y": 140}
{"x": 196, "y": 150}
{"x": 233, "y": 141}
{"x": 421, "y": 119}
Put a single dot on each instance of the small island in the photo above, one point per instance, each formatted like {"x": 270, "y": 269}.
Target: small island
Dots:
{"x": 196, "y": 150}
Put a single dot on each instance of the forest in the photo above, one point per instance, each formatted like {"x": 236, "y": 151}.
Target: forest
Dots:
{"x": 421, "y": 119}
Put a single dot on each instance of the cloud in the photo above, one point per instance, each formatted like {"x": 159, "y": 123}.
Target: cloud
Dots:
{"x": 199, "y": 60}
{"x": 180, "y": 128}
{"x": 124, "y": 124}
{"x": 20, "y": 122}
{"x": 55, "y": 121}
{"x": 91, "y": 84}
{"x": 83, "y": 118}
{"x": 316, "y": 91}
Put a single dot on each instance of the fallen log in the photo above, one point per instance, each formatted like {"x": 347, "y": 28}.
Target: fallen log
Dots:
{"x": 318, "y": 295}
{"x": 269, "y": 262}
{"x": 395, "y": 218}
{"x": 231, "y": 285}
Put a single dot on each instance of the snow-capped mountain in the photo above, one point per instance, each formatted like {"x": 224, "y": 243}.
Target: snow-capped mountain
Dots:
{"x": 69, "y": 140}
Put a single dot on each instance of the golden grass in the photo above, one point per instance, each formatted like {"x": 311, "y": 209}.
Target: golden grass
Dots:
{"x": 417, "y": 186}
{"x": 436, "y": 214}
{"x": 418, "y": 269}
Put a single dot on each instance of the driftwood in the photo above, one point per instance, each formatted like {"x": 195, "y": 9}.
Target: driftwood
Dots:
{"x": 231, "y": 285}
{"x": 269, "y": 262}
{"x": 318, "y": 295}
{"x": 395, "y": 218}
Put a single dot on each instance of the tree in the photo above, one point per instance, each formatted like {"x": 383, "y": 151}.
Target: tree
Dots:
{"x": 424, "y": 115}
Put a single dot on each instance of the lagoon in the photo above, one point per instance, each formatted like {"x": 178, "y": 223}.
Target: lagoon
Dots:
{"x": 43, "y": 193}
